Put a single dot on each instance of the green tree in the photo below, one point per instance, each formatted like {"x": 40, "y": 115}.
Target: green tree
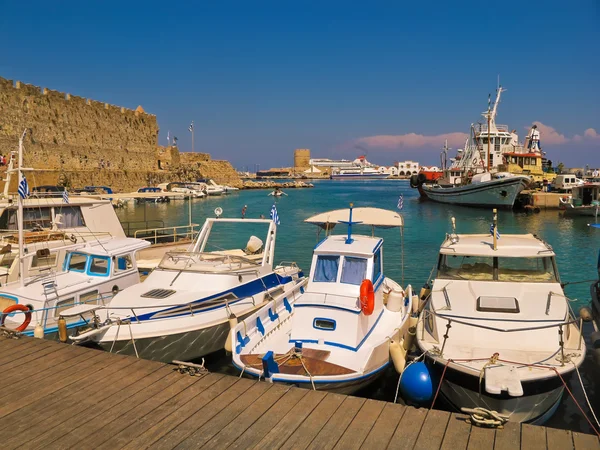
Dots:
{"x": 560, "y": 167}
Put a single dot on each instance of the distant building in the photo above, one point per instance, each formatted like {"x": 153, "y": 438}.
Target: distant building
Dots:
{"x": 301, "y": 158}
{"x": 407, "y": 168}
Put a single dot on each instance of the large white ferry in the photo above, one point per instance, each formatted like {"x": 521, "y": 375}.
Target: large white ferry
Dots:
{"x": 361, "y": 169}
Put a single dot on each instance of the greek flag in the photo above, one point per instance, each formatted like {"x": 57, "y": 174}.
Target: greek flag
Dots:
{"x": 191, "y": 127}
{"x": 65, "y": 196}
{"x": 274, "y": 215}
{"x": 492, "y": 231}
{"x": 23, "y": 188}
{"x": 401, "y": 202}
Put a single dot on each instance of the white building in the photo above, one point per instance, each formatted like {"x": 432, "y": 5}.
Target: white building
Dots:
{"x": 407, "y": 168}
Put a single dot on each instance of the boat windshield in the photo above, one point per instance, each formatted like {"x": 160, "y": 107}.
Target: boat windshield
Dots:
{"x": 487, "y": 268}
{"x": 225, "y": 261}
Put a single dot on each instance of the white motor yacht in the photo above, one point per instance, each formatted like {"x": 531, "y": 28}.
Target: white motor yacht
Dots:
{"x": 498, "y": 330}
{"x": 183, "y": 310}
{"x": 333, "y": 331}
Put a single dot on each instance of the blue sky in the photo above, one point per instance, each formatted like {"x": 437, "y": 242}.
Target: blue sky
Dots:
{"x": 261, "y": 78}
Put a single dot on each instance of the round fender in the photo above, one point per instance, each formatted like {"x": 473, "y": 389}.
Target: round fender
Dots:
{"x": 14, "y": 308}
{"x": 367, "y": 297}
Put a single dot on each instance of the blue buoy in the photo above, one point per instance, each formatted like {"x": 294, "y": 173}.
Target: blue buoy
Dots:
{"x": 416, "y": 385}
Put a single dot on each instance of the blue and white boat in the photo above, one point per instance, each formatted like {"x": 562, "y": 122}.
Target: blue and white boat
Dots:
{"x": 335, "y": 332}
{"x": 185, "y": 308}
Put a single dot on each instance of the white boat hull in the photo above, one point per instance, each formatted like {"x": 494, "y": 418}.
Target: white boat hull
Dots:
{"x": 359, "y": 176}
{"x": 496, "y": 193}
{"x": 588, "y": 211}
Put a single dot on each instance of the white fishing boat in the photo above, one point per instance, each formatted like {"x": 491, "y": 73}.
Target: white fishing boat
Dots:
{"x": 333, "y": 331}
{"x": 583, "y": 201}
{"x": 497, "y": 329}
{"x": 478, "y": 175}
{"x": 184, "y": 309}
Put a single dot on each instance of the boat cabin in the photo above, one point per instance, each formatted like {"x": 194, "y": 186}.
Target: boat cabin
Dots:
{"x": 586, "y": 195}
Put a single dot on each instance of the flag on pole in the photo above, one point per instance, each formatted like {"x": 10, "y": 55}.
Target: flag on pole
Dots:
{"x": 492, "y": 231}
{"x": 274, "y": 215}
{"x": 401, "y": 202}
{"x": 65, "y": 196}
{"x": 191, "y": 127}
{"x": 168, "y": 137}
{"x": 23, "y": 188}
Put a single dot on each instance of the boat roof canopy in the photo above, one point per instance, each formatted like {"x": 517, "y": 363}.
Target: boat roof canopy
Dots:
{"x": 509, "y": 246}
{"x": 376, "y": 217}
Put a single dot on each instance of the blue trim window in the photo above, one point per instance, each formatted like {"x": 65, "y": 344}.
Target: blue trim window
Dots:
{"x": 377, "y": 265}
{"x": 354, "y": 270}
{"x": 324, "y": 324}
{"x": 99, "y": 266}
{"x": 327, "y": 268}
{"x": 77, "y": 262}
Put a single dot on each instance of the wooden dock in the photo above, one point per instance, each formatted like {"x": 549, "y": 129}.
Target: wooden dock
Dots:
{"x": 58, "y": 396}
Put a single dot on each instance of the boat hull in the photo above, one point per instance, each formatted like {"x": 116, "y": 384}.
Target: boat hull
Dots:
{"x": 496, "y": 193}
{"x": 359, "y": 176}
{"x": 589, "y": 211}
{"x": 539, "y": 401}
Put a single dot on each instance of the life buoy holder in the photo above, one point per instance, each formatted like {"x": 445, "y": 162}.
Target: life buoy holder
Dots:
{"x": 367, "y": 297}
{"x": 14, "y": 308}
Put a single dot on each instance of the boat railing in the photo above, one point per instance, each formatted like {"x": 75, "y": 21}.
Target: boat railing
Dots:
{"x": 224, "y": 262}
{"x": 130, "y": 227}
{"x": 168, "y": 234}
{"x": 483, "y": 128}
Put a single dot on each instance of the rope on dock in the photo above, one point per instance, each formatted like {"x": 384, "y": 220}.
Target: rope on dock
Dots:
{"x": 485, "y": 417}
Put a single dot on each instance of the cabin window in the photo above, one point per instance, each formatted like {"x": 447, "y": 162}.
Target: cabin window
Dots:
{"x": 526, "y": 161}
{"x": 324, "y": 324}
{"x": 44, "y": 259}
{"x": 63, "y": 304}
{"x": 100, "y": 265}
{"x": 327, "y": 268}
{"x": 69, "y": 217}
{"x": 354, "y": 270}
{"x": 458, "y": 267}
{"x": 123, "y": 263}
{"x": 377, "y": 265}
{"x": 32, "y": 218}
{"x": 526, "y": 269}
{"x": 89, "y": 297}
{"x": 77, "y": 262}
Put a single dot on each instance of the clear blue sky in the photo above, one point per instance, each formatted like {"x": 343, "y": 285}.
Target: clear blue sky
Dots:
{"x": 262, "y": 78}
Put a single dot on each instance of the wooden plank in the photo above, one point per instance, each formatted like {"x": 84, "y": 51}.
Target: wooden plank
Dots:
{"x": 335, "y": 427}
{"x": 200, "y": 437}
{"x": 558, "y": 439}
{"x": 114, "y": 418}
{"x": 509, "y": 437}
{"x": 117, "y": 392}
{"x": 28, "y": 416}
{"x": 25, "y": 360}
{"x": 582, "y": 441}
{"x": 433, "y": 430}
{"x": 483, "y": 439}
{"x": 385, "y": 427}
{"x": 407, "y": 431}
{"x": 533, "y": 437}
{"x": 247, "y": 418}
{"x": 315, "y": 421}
{"x": 138, "y": 420}
{"x": 10, "y": 347}
{"x": 269, "y": 419}
{"x": 457, "y": 433}
{"x": 195, "y": 421}
{"x": 54, "y": 382}
{"x": 361, "y": 425}
{"x": 291, "y": 421}
{"x": 161, "y": 428}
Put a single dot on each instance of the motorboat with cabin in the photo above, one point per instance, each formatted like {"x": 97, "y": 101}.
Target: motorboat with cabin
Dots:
{"x": 335, "y": 330}
{"x": 478, "y": 176}
{"x": 497, "y": 330}
{"x": 184, "y": 309}
{"x": 584, "y": 200}
{"x": 92, "y": 273}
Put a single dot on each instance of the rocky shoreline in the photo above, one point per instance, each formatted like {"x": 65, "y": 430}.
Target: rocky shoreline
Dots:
{"x": 272, "y": 185}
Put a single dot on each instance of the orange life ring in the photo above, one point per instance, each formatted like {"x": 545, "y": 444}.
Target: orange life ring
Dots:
{"x": 367, "y": 297}
{"x": 14, "y": 308}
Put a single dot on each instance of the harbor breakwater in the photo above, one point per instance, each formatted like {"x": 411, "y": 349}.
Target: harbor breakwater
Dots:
{"x": 77, "y": 141}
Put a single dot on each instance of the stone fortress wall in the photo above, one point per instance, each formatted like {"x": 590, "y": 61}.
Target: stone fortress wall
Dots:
{"x": 78, "y": 141}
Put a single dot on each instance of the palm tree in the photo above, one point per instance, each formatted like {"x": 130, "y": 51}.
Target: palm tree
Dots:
{"x": 560, "y": 167}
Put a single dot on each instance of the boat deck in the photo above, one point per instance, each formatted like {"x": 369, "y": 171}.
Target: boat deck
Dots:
{"x": 60, "y": 396}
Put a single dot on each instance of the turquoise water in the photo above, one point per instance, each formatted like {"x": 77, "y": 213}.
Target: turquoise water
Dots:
{"x": 426, "y": 224}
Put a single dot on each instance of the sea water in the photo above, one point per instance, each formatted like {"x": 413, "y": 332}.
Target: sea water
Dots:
{"x": 426, "y": 224}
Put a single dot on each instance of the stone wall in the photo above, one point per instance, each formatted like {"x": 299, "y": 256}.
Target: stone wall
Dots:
{"x": 82, "y": 141}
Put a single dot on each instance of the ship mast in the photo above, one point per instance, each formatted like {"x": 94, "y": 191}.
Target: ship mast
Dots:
{"x": 20, "y": 214}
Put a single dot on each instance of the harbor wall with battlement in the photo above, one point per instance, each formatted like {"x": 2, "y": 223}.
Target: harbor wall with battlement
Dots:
{"x": 81, "y": 141}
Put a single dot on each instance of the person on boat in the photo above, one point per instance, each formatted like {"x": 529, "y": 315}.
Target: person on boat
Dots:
{"x": 244, "y": 211}
{"x": 534, "y": 139}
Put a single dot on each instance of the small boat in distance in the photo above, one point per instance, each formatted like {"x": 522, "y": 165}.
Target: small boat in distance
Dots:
{"x": 335, "y": 331}
{"x": 583, "y": 201}
{"x": 497, "y": 329}
{"x": 277, "y": 192}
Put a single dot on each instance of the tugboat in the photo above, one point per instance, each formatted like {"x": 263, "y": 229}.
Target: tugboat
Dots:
{"x": 474, "y": 177}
